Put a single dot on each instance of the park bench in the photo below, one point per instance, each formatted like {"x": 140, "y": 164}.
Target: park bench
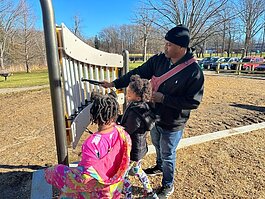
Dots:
{"x": 5, "y": 74}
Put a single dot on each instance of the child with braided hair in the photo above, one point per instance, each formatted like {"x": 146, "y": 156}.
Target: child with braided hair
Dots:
{"x": 104, "y": 161}
{"x": 137, "y": 120}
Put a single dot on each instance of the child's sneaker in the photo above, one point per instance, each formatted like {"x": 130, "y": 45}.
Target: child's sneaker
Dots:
{"x": 151, "y": 195}
{"x": 165, "y": 191}
{"x": 153, "y": 171}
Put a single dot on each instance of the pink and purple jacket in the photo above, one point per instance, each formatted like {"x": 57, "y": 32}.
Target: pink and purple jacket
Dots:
{"x": 101, "y": 171}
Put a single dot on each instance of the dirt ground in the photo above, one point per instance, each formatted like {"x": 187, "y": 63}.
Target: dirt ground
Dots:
{"x": 231, "y": 167}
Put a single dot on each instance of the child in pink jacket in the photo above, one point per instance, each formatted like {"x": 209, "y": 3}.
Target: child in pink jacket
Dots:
{"x": 105, "y": 158}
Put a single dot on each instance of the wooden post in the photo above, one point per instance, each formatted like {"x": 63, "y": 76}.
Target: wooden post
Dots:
{"x": 218, "y": 68}
{"x": 239, "y": 66}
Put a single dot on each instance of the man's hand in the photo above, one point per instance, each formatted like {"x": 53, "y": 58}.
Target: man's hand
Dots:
{"x": 158, "y": 97}
{"x": 107, "y": 84}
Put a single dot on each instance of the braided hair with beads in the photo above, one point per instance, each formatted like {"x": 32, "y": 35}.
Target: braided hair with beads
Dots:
{"x": 104, "y": 110}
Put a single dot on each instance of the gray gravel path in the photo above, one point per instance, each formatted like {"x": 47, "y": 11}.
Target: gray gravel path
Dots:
{"x": 13, "y": 90}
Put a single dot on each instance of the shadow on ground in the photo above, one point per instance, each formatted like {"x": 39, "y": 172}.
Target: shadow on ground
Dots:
{"x": 16, "y": 180}
{"x": 249, "y": 107}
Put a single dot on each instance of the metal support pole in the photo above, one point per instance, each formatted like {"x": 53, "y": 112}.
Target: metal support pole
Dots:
{"x": 125, "y": 61}
{"x": 125, "y": 70}
{"x": 55, "y": 80}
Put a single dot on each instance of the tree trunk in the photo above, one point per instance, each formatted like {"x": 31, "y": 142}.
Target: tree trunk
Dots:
{"x": 2, "y": 63}
{"x": 229, "y": 53}
{"x": 223, "y": 40}
{"x": 27, "y": 67}
{"x": 144, "y": 48}
{"x": 1, "y": 57}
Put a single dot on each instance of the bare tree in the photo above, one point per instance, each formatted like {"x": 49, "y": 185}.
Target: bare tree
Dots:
{"x": 115, "y": 39}
{"x": 9, "y": 15}
{"x": 144, "y": 19}
{"x": 26, "y": 40}
{"x": 201, "y": 17}
{"x": 77, "y": 28}
{"x": 251, "y": 13}
{"x": 263, "y": 37}
{"x": 131, "y": 38}
{"x": 110, "y": 39}
{"x": 227, "y": 28}
{"x": 231, "y": 29}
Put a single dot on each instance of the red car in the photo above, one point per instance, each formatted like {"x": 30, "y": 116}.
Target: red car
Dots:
{"x": 249, "y": 62}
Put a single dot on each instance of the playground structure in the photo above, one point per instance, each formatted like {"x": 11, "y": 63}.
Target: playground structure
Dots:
{"x": 69, "y": 61}
{"x": 78, "y": 62}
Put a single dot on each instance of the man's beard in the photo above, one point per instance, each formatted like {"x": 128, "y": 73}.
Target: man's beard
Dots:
{"x": 166, "y": 54}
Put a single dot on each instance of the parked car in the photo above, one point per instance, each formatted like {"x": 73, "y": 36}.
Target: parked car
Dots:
{"x": 207, "y": 64}
{"x": 251, "y": 62}
{"x": 213, "y": 65}
{"x": 231, "y": 64}
{"x": 261, "y": 67}
{"x": 204, "y": 60}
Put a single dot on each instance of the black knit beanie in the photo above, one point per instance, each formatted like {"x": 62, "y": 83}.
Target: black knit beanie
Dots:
{"x": 179, "y": 35}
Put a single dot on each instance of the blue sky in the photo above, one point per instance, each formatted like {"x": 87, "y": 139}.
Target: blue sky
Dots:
{"x": 95, "y": 15}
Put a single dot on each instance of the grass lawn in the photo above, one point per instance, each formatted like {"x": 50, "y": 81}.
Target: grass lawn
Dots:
{"x": 23, "y": 79}
{"x": 133, "y": 65}
{"x": 35, "y": 78}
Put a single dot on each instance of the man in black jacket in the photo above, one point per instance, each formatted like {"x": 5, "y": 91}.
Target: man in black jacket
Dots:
{"x": 174, "y": 99}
